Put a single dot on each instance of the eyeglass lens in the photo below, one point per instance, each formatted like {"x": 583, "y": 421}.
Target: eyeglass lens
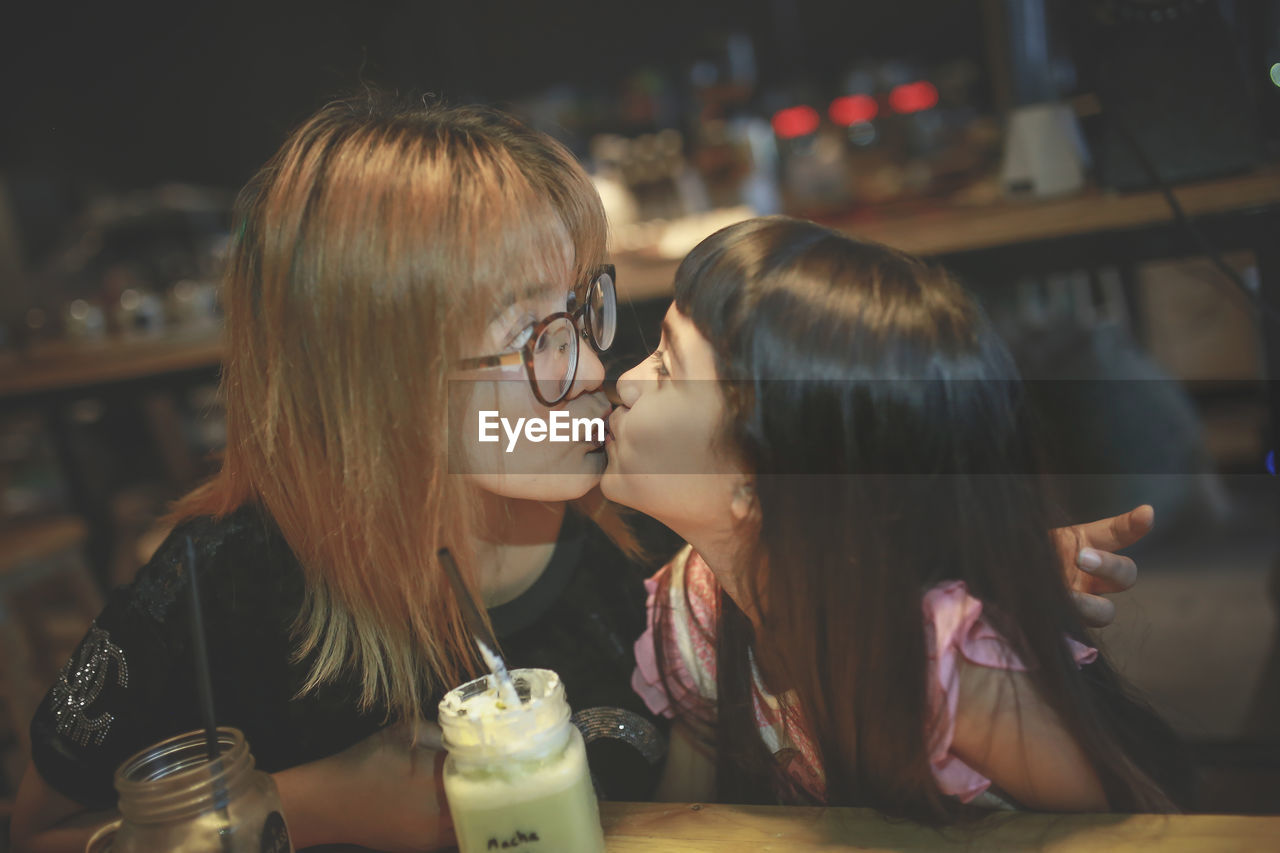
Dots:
{"x": 602, "y": 308}
{"x": 555, "y": 358}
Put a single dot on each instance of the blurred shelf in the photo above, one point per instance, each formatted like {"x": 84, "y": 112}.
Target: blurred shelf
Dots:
{"x": 65, "y": 366}
{"x": 938, "y": 229}
{"x": 26, "y": 540}
{"x": 963, "y": 228}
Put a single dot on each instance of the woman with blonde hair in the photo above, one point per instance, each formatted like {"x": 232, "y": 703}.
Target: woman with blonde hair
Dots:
{"x": 397, "y": 271}
{"x": 381, "y": 258}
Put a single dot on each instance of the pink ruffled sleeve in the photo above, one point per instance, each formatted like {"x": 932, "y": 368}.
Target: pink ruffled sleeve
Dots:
{"x": 954, "y": 628}
{"x": 688, "y": 644}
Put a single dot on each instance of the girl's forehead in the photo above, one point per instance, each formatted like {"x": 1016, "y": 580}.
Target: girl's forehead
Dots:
{"x": 693, "y": 352}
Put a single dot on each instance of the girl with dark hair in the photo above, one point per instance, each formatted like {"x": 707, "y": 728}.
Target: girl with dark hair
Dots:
{"x": 871, "y": 609}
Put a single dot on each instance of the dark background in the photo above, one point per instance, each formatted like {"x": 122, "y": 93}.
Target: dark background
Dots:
{"x": 101, "y": 99}
{"x": 133, "y": 93}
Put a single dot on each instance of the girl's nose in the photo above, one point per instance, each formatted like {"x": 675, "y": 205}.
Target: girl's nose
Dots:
{"x": 631, "y": 385}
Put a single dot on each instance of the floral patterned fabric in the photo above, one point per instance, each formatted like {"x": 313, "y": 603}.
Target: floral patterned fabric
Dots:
{"x": 954, "y": 630}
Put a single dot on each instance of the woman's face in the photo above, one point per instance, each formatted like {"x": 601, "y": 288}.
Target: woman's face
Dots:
{"x": 523, "y": 468}
{"x": 664, "y": 457}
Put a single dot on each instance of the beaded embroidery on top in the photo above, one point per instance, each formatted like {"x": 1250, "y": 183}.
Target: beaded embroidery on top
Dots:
{"x": 80, "y": 683}
{"x": 622, "y": 725}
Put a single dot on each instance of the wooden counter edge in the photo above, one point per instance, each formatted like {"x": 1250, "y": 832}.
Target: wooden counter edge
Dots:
{"x": 948, "y": 229}
{"x": 106, "y": 362}
{"x": 712, "y": 827}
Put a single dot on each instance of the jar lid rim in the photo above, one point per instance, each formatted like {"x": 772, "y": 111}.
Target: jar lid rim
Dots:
{"x": 231, "y": 741}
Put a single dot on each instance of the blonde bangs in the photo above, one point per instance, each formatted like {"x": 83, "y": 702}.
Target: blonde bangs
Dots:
{"x": 526, "y": 229}
{"x": 370, "y": 250}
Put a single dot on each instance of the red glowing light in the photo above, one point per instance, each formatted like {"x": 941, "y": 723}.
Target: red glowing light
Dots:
{"x": 852, "y": 109}
{"x": 795, "y": 121}
{"x": 913, "y": 97}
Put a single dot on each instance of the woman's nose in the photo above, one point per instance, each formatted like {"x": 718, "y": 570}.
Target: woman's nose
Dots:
{"x": 590, "y": 375}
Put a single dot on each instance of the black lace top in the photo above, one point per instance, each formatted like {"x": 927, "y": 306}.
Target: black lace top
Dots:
{"x": 131, "y": 681}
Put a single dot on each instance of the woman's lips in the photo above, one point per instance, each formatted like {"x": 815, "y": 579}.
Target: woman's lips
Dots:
{"x": 599, "y": 445}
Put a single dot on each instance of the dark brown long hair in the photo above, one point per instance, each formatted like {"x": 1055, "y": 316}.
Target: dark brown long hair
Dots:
{"x": 891, "y": 449}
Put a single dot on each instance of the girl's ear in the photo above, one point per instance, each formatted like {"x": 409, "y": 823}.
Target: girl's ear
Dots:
{"x": 744, "y": 506}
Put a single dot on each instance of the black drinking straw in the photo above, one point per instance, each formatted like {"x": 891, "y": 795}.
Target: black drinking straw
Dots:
{"x": 204, "y": 684}
{"x": 204, "y": 689}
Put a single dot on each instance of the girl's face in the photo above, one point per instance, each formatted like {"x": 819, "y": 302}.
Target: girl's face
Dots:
{"x": 534, "y": 470}
{"x": 664, "y": 457}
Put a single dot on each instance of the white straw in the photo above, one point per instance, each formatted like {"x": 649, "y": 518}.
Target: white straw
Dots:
{"x": 506, "y": 688}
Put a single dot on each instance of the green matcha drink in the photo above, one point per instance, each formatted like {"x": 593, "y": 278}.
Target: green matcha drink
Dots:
{"x": 516, "y": 777}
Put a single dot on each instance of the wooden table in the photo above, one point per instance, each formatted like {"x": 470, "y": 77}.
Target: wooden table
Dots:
{"x": 659, "y": 827}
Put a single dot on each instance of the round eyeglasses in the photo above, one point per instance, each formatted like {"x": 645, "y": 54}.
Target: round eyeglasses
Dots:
{"x": 550, "y": 349}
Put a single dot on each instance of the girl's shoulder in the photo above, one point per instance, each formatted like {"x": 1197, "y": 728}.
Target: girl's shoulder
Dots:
{"x": 956, "y": 628}
{"x": 958, "y": 638}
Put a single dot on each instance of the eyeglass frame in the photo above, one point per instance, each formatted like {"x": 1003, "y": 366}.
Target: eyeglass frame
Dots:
{"x": 524, "y": 355}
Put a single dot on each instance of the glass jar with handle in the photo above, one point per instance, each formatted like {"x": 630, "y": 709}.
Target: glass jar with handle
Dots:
{"x": 173, "y": 798}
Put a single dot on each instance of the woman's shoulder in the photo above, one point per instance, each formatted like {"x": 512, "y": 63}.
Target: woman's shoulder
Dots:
{"x": 130, "y": 680}
{"x": 235, "y": 554}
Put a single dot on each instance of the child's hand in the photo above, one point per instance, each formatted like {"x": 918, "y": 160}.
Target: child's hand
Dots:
{"x": 1092, "y": 570}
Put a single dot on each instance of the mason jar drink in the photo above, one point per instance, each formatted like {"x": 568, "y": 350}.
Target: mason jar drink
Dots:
{"x": 516, "y": 777}
{"x": 173, "y": 798}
